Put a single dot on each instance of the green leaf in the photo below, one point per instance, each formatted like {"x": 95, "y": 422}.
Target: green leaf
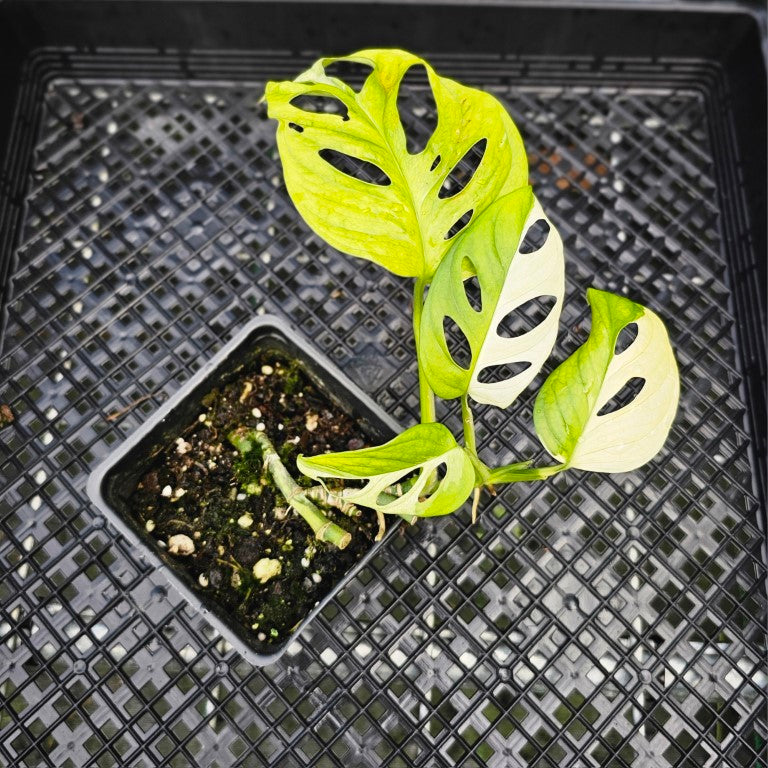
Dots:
{"x": 422, "y": 449}
{"x": 509, "y": 279}
{"x": 401, "y": 222}
{"x": 570, "y": 411}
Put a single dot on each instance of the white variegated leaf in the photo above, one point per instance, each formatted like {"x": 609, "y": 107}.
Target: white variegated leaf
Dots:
{"x": 509, "y": 278}
{"x": 392, "y": 485}
{"x": 570, "y": 414}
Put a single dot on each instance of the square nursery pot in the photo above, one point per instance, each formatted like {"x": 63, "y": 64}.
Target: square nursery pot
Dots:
{"x": 113, "y": 482}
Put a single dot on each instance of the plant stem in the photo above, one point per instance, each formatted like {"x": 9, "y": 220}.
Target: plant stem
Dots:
{"x": 320, "y": 495}
{"x": 245, "y": 440}
{"x": 469, "y": 425}
{"x": 426, "y": 396}
{"x": 522, "y": 472}
{"x": 470, "y": 443}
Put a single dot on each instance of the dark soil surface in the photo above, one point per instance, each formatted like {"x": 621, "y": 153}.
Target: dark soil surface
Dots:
{"x": 201, "y": 491}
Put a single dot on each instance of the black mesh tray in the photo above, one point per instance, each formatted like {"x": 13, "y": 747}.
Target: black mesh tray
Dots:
{"x": 592, "y": 621}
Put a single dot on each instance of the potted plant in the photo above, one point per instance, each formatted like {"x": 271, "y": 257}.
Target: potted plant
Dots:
{"x": 260, "y": 485}
{"x": 211, "y": 517}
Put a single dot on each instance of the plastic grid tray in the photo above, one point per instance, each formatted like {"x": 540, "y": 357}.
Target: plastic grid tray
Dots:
{"x": 592, "y": 621}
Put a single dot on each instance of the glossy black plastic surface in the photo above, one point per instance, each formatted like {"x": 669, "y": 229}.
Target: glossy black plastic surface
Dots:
{"x": 595, "y": 620}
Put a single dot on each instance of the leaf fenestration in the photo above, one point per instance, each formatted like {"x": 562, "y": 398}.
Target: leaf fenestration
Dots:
{"x": 405, "y": 226}
{"x": 501, "y": 364}
{"x": 581, "y": 415}
{"x": 436, "y": 475}
{"x": 417, "y": 109}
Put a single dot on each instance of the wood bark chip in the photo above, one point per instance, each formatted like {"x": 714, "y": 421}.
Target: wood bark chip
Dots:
{"x": 6, "y": 415}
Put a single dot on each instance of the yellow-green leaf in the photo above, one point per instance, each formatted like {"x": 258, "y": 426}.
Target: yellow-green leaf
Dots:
{"x": 395, "y": 216}
{"x": 413, "y": 460}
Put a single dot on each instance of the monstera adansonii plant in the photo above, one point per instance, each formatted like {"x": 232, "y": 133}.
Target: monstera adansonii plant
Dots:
{"x": 369, "y": 188}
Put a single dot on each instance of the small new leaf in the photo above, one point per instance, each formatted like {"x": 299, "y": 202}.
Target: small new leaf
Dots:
{"x": 412, "y": 461}
{"x": 579, "y": 415}
{"x": 349, "y": 172}
{"x": 512, "y": 273}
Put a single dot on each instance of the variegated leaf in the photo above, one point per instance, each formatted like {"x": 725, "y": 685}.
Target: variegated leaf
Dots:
{"x": 413, "y": 460}
{"x": 587, "y": 414}
{"x": 351, "y": 176}
{"x": 514, "y": 275}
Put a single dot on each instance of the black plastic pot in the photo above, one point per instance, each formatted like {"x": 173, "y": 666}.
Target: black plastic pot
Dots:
{"x": 112, "y": 483}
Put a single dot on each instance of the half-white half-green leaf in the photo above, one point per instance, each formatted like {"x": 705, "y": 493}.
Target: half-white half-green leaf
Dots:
{"x": 514, "y": 272}
{"x": 434, "y": 474}
{"x": 585, "y": 413}
{"x": 350, "y": 174}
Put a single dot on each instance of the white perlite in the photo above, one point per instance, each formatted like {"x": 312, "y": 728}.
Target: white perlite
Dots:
{"x": 245, "y": 521}
{"x": 266, "y": 568}
{"x": 181, "y": 544}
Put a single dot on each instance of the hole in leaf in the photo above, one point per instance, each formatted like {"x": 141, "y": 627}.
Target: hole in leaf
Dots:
{"x": 473, "y": 293}
{"x": 472, "y": 285}
{"x": 457, "y": 343}
{"x": 438, "y": 475}
{"x": 296, "y": 127}
{"x": 358, "y": 169}
{"x": 353, "y": 73}
{"x": 435, "y": 163}
{"x": 400, "y": 488}
{"x": 626, "y": 336}
{"x": 325, "y": 104}
{"x": 535, "y": 237}
{"x": 526, "y": 317}
{"x": 463, "y": 171}
{"x": 623, "y": 397}
{"x": 417, "y": 109}
{"x": 459, "y": 225}
{"x": 493, "y": 374}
